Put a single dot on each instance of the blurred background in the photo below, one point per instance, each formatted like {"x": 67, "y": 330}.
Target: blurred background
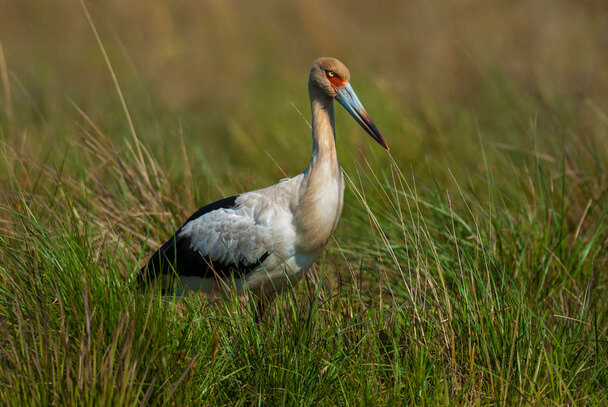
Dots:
{"x": 230, "y": 73}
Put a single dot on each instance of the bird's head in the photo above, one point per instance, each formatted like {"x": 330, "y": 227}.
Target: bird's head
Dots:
{"x": 331, "y": 78}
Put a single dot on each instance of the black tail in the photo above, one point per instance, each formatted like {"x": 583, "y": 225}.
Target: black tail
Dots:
{"x": 161, "y": 262}
{"x": 165, "y": 260}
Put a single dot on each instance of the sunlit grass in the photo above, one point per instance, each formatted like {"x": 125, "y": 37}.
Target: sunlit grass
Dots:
{"x": 469, "y": 266}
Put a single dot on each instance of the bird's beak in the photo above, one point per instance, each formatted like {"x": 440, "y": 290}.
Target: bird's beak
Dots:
{"x": 347, "y": 98}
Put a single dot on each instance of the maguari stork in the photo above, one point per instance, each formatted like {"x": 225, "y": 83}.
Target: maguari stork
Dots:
{"x": 265, "y": 240}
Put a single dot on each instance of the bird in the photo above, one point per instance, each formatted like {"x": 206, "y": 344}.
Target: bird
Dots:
{"x": 264, "y": 241}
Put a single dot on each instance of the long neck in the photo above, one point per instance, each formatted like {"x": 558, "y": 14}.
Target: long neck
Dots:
{"x": 321, "y": 192}
{"x": 324, "y": 157}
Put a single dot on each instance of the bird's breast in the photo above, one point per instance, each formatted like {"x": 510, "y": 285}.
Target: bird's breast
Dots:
{"x": 317, "y": 213}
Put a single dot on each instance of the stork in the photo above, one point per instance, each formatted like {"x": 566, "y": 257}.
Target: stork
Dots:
{"x": 265, "y": 240}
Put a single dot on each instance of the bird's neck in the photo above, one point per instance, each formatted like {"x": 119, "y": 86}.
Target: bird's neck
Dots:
{"x": 321, "y": 192}
{"x": 324, "y": 161}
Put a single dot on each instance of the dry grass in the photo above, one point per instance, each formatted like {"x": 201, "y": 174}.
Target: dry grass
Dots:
{"x": 469, "y": 265}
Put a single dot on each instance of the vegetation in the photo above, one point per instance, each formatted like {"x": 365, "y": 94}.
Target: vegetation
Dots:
{"x": 470, "y": 263}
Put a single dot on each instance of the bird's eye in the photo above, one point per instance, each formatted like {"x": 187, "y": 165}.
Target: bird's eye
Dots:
{"x": 334, "y": 79}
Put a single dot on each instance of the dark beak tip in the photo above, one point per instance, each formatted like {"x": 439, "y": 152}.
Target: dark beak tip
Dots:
{"x": 378, "y": 137}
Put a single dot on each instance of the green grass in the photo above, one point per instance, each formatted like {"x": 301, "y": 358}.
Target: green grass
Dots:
{"x": 469, "y": 266}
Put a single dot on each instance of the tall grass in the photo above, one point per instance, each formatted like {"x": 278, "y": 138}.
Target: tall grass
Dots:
{"x": 469, "y": 267}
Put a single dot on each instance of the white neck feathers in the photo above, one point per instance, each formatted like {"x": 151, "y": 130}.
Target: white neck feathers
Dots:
{"x": 321, "y": 192}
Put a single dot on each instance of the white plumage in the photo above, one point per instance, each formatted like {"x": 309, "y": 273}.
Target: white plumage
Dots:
{"x": 261, "y": 222}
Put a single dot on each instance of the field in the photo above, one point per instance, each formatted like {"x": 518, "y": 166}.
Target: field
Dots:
{"x": 470, "y": 263}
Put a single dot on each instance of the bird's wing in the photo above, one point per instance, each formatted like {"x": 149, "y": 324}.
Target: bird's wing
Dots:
{"x": 223, "y": 239}
{"x": 231, "y": 239}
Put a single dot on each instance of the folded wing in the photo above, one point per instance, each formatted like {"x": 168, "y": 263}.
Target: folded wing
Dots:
{"x": 221, "y": 240}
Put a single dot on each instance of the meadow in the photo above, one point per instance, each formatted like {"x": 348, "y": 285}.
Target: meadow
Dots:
{"x": 470, "y": 263}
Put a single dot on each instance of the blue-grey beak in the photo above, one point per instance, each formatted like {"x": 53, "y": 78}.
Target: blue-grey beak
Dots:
{"x": 347, "y": 98}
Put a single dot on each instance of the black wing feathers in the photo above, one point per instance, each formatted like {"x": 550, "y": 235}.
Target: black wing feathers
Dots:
{"x": 225, "y": 203}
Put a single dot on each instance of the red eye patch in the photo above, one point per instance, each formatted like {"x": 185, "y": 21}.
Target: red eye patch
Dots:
{"x": 336, "y": 81}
